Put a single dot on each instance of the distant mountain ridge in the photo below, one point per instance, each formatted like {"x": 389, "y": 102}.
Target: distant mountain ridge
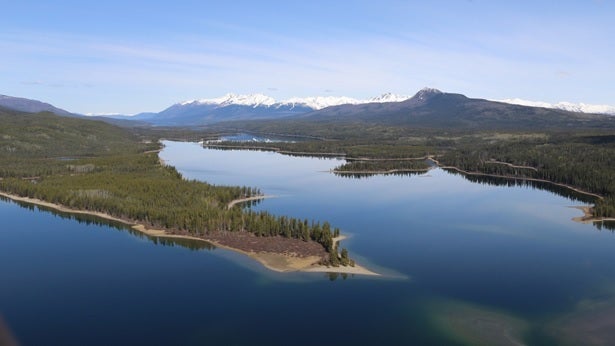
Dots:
{"x": 231, "y": 107}
{"x": 21, "y": 104}
{"x": 432, "y": 108}
{"x": 31, "y": 106}
{"x": 315, "y": 102}
{"x": 428, "y": 107}
{"x": 567, "y": 106}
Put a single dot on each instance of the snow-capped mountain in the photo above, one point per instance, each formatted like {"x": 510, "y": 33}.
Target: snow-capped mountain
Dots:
{"x": 388, "y": 97}
{"x": 431, "y": 108}
{"x": 567, "y": 106}
{"x": 251, "y": 106}
{"x": 319, "y": 102}
{"x": 253, "y": 100}
{"x": 314, "y": 102}
{"x": 232, "y": 107}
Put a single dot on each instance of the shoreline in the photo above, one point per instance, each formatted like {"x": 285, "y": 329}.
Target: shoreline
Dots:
{"x": 588, "y": 216}
{"x": 391, "y": 171}
{"x": 575, "y": 189}
{"x": 429, "y": 157}
{"x": 273, "y": 261}
{"x": 247, "y": 199}
{"x": 271, "y": 149}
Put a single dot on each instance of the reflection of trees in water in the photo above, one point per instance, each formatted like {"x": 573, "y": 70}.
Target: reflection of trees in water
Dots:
{"x": 191, "y": 244}
{"x": 335, "y": 276}
{"x": 250, "y": 204}
{"x": 87, "y": 219}
{"x": 607, "y": 225}
{"x": 240, "y": 146}
{"x": 357, "y": 175}
{"x": 539, "y": 185}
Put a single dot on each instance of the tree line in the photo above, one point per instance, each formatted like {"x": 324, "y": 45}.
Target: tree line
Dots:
{"x": 93, "y": 166}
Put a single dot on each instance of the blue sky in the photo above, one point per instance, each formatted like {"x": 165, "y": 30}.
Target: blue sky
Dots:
{"x": 134, "y": 56}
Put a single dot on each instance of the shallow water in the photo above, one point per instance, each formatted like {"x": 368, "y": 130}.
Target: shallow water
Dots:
{"x": 464, "y": 263}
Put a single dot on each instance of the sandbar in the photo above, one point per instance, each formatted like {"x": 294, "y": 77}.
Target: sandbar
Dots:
{"x": 247, "y": 199}
{"x": 588, "y": 215}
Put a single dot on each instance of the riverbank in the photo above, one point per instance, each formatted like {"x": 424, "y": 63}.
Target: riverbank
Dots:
{"x": 279, "y": 262}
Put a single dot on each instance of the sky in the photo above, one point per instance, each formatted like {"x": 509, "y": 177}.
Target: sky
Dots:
{"x": 135, "y": 56}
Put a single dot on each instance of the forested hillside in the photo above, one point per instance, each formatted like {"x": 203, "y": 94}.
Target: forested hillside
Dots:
{"x": 93, "y": 166}
{"x": 581, "y": 159}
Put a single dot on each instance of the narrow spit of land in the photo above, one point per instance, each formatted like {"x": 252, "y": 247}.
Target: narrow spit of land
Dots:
{"x": 247, "y": 199}
{"x": 275, "y": 253}
{"x": 588, "y": 215}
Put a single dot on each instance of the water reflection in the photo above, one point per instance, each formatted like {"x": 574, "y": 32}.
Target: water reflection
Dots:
{"x": 191, "y": 244}
{"x": 539, "y": 185}
{"x": 253, "y": 138}
{"x": 359, "y": 175}
{"x": 474, "y": 278}
{"x": 607, "y": 225}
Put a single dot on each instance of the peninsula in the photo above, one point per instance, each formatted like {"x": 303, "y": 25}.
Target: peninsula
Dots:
{"x": 89, "y": 167}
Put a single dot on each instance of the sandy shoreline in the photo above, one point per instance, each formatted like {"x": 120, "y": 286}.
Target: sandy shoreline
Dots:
{"x": 247, "y": 199}
{"x": 588, "y": 216}
{"x": 273, "y": 261}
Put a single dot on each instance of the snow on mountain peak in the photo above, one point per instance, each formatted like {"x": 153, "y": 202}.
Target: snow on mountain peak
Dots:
{"x": 426, "y": 92}
{"x": 314, "y": 102}
{"x": 388, "y": 97}
{"x": 254, "y": 100}
{"x": 567, "y": 106}
{"x": 320, "y": 102}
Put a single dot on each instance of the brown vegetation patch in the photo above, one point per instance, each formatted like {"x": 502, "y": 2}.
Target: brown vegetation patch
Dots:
{"x": 249, "y": 242}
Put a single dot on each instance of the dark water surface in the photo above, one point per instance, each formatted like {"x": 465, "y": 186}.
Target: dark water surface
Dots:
{"x": 464, "y": 263}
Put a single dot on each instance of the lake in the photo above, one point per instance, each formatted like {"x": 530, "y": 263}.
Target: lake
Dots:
{"x": 462, "y": 263}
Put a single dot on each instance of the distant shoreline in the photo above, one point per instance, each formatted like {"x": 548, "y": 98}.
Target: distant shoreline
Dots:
{"x": 390, "y": 171}
{"x": 428, "y": 157}
{"x": 575, "y": 189}
{"x": 273, "y": 261}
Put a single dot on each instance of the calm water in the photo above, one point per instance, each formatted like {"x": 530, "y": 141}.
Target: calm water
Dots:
{"x": 464, "y": 263}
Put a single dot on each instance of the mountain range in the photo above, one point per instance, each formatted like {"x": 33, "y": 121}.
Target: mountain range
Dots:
{"x": 567, "y": 106}
{"x": 30, "y": 106}
{"x": 246, "y": 107}
{"x": 432, "y": 108}
{"x": 428, "y": 107}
